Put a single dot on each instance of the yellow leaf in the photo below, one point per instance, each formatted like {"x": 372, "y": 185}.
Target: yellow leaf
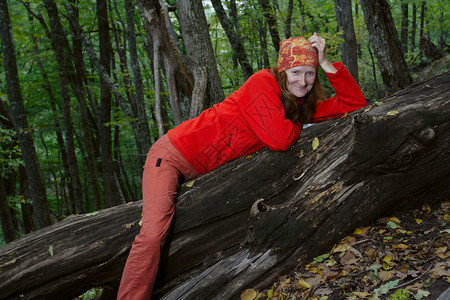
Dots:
{"x": 190, "y": 184}
{"x": 384, "y": 275}
{"x": 361, "y": 230}
{"x": 341, "y": 248}
{"x": 447, "y": 217}
{"x": 400, "y": 247}
{"x": 392, "y": 113}
{"x": 129, "y": 225}
{"x": 441, "y": 250}
{"x": 303, "y": 284}
{"x": 394, "y": 219}
{"x": 140, "y": 222}
{"x": 419, "y": 221}
{"x": 315, "y": 143}
{"x": 249, "y": 294}
{"x": 426, "y": 208}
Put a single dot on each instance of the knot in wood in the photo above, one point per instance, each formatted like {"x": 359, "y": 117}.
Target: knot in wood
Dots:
{"x": 426, "y": 135}
{"x": 258, "y": 207}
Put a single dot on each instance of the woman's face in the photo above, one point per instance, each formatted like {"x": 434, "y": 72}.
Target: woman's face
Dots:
{"x": 300, "y": 80}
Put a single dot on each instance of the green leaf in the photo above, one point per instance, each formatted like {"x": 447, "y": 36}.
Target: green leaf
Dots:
{"x": 392, "y": 225}
{"x": 385, "y": 288}
{"x": 50, "y": 249}
{"x": 401, "y": 294}
{"x": 421, "y": 293}
{"x": 321, "y": 258}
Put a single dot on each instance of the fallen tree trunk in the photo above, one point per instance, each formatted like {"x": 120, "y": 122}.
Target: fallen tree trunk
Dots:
{"x": 259, "y": 216}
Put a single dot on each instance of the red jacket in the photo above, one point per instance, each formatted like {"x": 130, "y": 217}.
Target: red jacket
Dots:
{"x": 253, "y": 117}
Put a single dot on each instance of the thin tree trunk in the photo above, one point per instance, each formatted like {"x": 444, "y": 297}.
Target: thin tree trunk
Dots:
{"x": 63, "y": 56}
{"x": 235, "y": 39}
{"x": 138, "y": 85}
{"x": 349, "y": 46}
{"x": 302, "y": 14}
{"x": 405, "y": 26}
{"x": 287, "y": 29}
{"x": 384, "y": 38}
{"x": 421, "y": 30}
{"x": 8, "y": 229}
{"x": 269, "y": 14}
{"x": 24, "y": 133}
{"x": 88, "y": 127}
{"x": 108, "y": 173}
{"x": 413, "y": 28}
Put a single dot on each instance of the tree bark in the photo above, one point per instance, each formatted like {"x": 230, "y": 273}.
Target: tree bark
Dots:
{"x": 384, "y": 39}
{"x": 79, "y": 89}
{"x": 108, "y": 172}
{"x": 64, "y": 57}
{"x": 235, "y": 38}
{"x": 350, "y": 45}
{"x": 405, "y": 26}
{"x": 24, "y": 132}
{"x": 8, "y": 229}
{"x": 269, "y": 14}
{"x": 139, "y": 101}
{"x": 197, "y": 41}
{"x": 256, "y": 217}
{"x": 287, "y": 29}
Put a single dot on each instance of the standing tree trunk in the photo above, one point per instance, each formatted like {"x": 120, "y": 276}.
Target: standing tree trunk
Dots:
{"x": 138, "y": 99}
{"x": 8, "y": 229}
{"x": 197, "y": 42}
{"x": 350, "y": 45}
{"x": 405, "y": 26}
{"x": 269, "y": 14}
{"x": 79, "y": 88}
{"x": 38, "y": 192}
{"x": 108, "y": 173}
{"x": 413, "y": 28}
{"x": 63, "y": 56}
{"x": 235, "y": 38}
{"x": 287, "y": 29}
{"x": 384, "y": 39}
{"x": 301, "y": 7}
{"x": 6, "y": 216}
{"x": 422, "y": 29}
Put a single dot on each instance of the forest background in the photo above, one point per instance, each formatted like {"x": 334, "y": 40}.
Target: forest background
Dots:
{"x": 88, "y": 134}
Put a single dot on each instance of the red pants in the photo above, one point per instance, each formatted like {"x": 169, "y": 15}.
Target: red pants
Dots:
{"x": 164, "y": 169}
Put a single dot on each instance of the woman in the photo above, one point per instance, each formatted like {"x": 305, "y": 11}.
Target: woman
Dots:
{"x": 267, "y": 111}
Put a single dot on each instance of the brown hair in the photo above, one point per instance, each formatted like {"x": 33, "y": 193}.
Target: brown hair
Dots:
{"x": 299, "y": 112}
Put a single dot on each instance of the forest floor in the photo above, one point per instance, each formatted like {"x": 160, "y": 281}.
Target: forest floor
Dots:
{"x": 401, "y": 257}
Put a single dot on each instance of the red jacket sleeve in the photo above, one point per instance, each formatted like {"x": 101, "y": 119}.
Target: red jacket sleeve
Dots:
{"x": 348, "y": 95}
{"x": 262, "y": 109}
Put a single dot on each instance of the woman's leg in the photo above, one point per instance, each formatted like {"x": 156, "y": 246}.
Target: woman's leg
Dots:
{"x": 159, "y": 186}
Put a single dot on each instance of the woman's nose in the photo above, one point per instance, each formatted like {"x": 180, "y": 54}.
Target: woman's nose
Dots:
{"x": 302, "y": 80}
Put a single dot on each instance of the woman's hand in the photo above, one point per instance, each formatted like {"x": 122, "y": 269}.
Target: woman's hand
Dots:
{"x": 321, "y": 46}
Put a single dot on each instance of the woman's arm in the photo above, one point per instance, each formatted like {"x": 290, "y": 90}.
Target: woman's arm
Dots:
{"x": 348, "y": 95}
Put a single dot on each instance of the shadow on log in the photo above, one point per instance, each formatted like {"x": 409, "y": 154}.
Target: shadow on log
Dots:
{"x": 259, "y": 216}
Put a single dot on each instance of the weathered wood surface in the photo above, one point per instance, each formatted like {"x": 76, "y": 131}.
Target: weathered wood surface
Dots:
{"x": 257, "y": 217}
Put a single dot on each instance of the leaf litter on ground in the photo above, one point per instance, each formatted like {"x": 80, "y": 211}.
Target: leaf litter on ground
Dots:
{"x": 399, "y": 257}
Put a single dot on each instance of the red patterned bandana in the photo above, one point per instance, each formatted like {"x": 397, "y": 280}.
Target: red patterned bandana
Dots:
{"x": 297, "y": 52}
